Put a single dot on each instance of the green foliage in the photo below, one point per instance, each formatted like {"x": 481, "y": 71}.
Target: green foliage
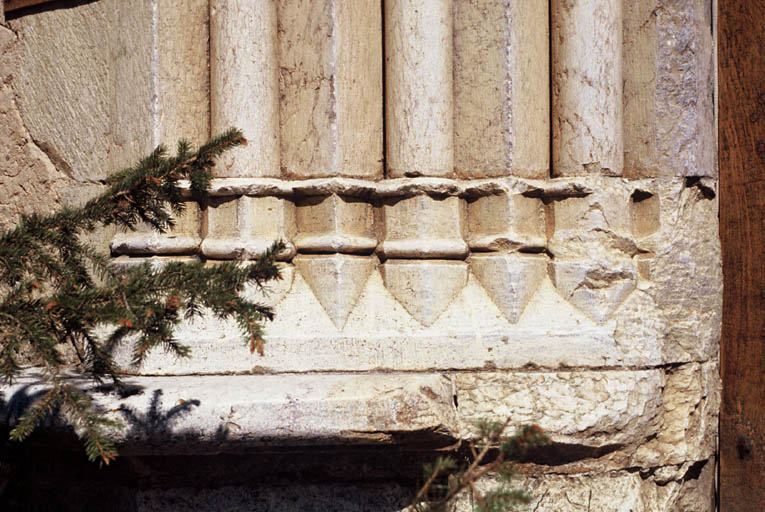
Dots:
{"x": 492, "y": 454}
{"x": 56, "y": 290}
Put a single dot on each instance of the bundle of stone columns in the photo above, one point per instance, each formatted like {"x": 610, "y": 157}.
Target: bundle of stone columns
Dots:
{"x": 508, "y": 206}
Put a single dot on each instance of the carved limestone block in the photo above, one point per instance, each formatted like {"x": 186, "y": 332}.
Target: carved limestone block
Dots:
{"x": 244, "y": 84}
{"x": 330, "y": 86}
{"x": 423, "y": 227}
{"x": 337, "y": 281}
{"x": 335, "y": 224}
{"x": 501, "y": 73}
{"x": 506, "y": 222}
{"x": 510, "y": 279}
{"x": 242, "y": 228}
{"x": 418, "y": 88}
{"x": 424, "y": 287}
{"x": 587, "y": 87}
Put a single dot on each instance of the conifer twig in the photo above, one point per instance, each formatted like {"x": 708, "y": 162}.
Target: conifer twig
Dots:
{"x": 48, "y": 294}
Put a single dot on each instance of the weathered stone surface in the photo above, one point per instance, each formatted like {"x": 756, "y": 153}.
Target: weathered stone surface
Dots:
{"x": 181, "y": 71}
{"x": 120, "y": 81}
{"x": 29, "y": 181}
{"x": 594, "y": 227}
{"x": 335, "y": 224}
{"x": 611, "y": 259}
{"x": 330, "y": 65}
{"x": 587, "y": 87}
{"x": 423, "y": 227}
{"x": 506, "y": 222}
{"x": 510, "y": 279}
{"x": 185, "y": 415}
{"x": 686, "y": 271}
{"x": 690, "y": 489}
{"x": 418, "y": 90}
{"x": 409, "y": 280}
{"x": 589, "y": 305}
{"x": 594, "y": 287}
{"x": 603, "y": 420}
{"x": 668, "y": 89}
{"x": 501, "y": 115}
{"x": 66, "y": 99}
{"x": 594, "y": 408}
{"x": 244, "y": 84}
{"x": 337, "y": 281}
{"x": 691, "y": 404}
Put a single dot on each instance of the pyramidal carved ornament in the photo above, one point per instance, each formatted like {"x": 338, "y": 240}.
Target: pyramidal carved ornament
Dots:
{"x": 424, "y": 287}
{"x": 509, "y": 279}
{"x": 336, "y": 280}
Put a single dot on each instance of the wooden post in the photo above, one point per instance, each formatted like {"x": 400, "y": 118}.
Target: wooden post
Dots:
{"x": 742, "y": 213}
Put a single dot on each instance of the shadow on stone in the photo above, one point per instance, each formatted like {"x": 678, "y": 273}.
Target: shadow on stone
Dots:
{"x": 45, "y": 7}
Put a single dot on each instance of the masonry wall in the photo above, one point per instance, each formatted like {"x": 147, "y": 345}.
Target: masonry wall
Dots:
{"x": 492, "y": 209}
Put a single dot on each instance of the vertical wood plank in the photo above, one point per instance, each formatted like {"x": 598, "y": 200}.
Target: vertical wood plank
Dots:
{"x": 741, "y": 63}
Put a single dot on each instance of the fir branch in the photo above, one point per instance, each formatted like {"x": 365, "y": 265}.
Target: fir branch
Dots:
{"x": 464, "y": 479}
{"x": 56, "y": 289}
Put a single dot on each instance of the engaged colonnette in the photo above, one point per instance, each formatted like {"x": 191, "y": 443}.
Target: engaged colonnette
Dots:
{"x": 491, "y": 208}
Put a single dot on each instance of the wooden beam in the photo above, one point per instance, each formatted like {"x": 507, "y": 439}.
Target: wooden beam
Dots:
{"x": 11, "y": 5}
{"x": 741, "y": 61}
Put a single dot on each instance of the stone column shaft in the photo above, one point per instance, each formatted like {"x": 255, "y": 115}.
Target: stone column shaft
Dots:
{"x": 587, "y": 87}
{"x": 669, "y": 121}
{"x": 330, "y": 79}
{"x": 177, "y": 94}
{"x": 501, "y": 81}
{"x": 244, "y": 73}
{"x": 419, "y": 102}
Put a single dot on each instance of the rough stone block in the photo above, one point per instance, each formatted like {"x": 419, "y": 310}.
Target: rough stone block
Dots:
{"x": 506, "y": 222}
{"x": 66, "y": 97}
{"x": 591, "y": 408}
{"x": 423, "y": 227}
{"x": 691, "y": 405}
{"x": 330, "y": 65}
{"x": 335, "y": 224}
{"x": 418, "y": 91}
{"x": 501, "y": 70}
{"x": 244, "y": 227}
{"x": 108, "y": 94}
{"x": 30, "y": 181}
